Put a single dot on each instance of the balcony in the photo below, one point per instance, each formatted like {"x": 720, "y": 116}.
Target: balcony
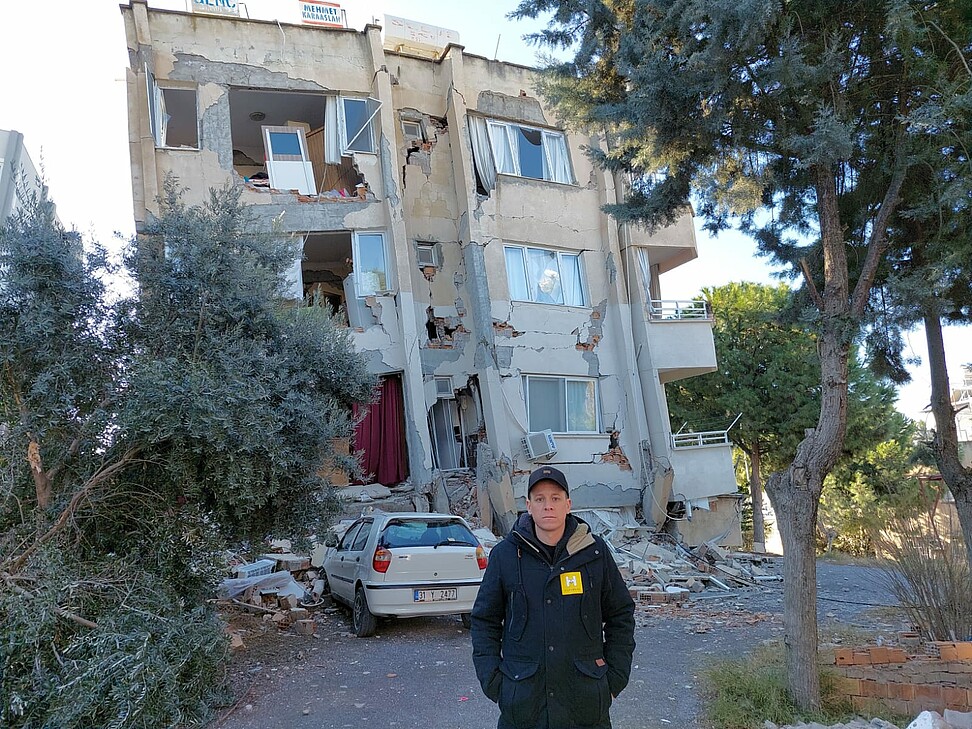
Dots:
{"x": 680, "y": 338}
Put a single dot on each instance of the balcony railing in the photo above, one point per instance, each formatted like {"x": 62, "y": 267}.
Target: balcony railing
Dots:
{"x": 695, "y": 440}
{"x": 703, "y": 437}
{"x": 670, "y": 310}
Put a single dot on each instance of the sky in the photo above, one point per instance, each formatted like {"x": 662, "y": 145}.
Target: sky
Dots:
{"x": 62, "y": 85}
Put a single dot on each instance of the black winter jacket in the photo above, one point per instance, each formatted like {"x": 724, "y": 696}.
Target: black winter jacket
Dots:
{"x": 553, "y": 642}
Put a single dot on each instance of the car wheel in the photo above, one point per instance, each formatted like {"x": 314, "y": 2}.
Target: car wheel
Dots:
{"x": 466, "y": 622}
{"x": 362, "y": 621}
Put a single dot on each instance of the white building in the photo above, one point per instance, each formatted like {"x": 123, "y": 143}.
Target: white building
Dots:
{"x": 459, "y": 229}
{"x": 18, "y": 176}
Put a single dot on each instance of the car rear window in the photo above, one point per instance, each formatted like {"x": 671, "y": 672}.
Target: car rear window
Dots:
{"x": 426, "y": 533}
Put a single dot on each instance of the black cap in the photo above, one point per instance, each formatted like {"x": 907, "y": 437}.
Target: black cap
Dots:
{"x": 548, "y": 473}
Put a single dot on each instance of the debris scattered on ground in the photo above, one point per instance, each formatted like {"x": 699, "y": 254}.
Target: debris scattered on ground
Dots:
{"x": 855, "y": 724}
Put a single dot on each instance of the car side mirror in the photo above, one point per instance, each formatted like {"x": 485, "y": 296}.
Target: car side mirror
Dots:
{"x": 330, "y": 540}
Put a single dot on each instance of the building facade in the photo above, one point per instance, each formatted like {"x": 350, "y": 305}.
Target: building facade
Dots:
{"x": 18, "y": 176}
{"x": 459, "y": 230}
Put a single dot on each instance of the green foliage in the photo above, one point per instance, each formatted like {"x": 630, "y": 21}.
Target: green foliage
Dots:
{"x": 747, "y": 692}
{"x": 152, "y": 661}
{"x": 864, "y": 493}
{"x": 135, "y": 439}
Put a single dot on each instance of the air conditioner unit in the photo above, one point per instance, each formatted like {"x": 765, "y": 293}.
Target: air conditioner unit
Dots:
{"x": 538, "y": 445}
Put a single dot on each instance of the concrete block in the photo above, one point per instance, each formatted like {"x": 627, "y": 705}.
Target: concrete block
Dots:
{"x": 304, "y": 627}
{"x": 959, "y": 719}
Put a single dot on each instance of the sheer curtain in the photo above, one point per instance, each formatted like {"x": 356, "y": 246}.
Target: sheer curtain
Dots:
{"x": 557, "y": 160}
{"x": 645, "y": 265}
{"x": 581, "y": 407}
{"x": 332, "y": 134}
{"x": 482, "y": 152}
{"x": 504, "y": 148}
{"x": 571, "y": 280}
{"x": 543, "y": 275}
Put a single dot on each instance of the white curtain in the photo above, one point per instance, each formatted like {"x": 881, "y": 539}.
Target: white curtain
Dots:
{"x": 504, "y": 148}
{"x": 332, "y": 133}
{"x": 482, "y": 153}
{"x": 571, "y": 280}
{"x": 543, "y": 275}
{"x": 558, "y": 162}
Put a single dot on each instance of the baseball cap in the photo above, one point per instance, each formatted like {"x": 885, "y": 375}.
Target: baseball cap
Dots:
{"x": 548, "y": 473}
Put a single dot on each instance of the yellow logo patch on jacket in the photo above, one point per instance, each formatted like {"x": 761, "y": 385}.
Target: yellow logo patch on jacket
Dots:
{"x": 571, "y": 583}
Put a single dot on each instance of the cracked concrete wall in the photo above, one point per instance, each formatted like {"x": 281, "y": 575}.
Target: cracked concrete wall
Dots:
{"x": 455, "y": 318}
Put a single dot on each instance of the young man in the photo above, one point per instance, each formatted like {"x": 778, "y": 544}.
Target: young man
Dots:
{"x": 553, "y": 626}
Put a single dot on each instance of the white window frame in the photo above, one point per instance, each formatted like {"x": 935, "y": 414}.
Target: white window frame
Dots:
{"x": 361, "y": 290}
{"x": 368, "y": 126}
{"x": 158, "y": 117}
{"x": 430, "y": 247}
{"x": 564, "y": 379}
{"x": 501, "y": 130}
{"x": 413, "y": 137}
{"x": 289, "y": 171}
{"x": 582, "y": 273}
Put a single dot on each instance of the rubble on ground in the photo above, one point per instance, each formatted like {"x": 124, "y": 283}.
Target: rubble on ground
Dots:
{"x": 925, "y": 720}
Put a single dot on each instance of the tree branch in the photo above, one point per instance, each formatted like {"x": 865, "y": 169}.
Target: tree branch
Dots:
{"x": 811, "y": 286}
{"x": 66, "y": 614}
{"x": 102, "y": 475}
{"x": 879, "y": 232}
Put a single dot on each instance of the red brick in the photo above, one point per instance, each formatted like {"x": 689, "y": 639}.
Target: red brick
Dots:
{"x": 902, "y": 691}
{"x": 896, "y": 655}
{"x": 926, "y": 692}
{"x": 844, "y": 656}
{"x": 874, "y": 690}
{"x": 947, "y": 651}
{"x": 849, "y": 686}
{"x": 955, "y": 696}
{"x": 964, "y": 650}
{"x": 862, "y": 658}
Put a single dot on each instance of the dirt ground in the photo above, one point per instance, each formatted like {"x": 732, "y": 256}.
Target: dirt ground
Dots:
{"x": 419, "y": 672}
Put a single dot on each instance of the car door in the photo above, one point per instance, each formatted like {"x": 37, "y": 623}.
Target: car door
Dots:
{"x": 338, "y": 568}
{"x": 358, "y": 557}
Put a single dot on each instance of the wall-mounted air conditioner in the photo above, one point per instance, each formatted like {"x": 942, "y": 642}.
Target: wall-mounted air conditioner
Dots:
{"x": 538, "y": 445}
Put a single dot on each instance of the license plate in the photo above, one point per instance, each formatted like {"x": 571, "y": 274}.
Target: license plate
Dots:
{"x": 435, "y": 595}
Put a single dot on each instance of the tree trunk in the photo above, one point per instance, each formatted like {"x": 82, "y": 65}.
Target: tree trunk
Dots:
{"x": 945, "y": 443}
{"x": 795, "y": 492}
{"x": 756, "y": 495}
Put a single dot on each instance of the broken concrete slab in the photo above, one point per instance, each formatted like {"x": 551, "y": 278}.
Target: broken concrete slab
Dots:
{"x": 369, "y": 492}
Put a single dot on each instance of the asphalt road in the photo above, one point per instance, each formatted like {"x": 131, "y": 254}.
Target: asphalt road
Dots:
{"x": 418, "y": 672}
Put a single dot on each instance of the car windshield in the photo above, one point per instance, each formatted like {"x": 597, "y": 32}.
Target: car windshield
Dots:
{"x": 426, "y": 533}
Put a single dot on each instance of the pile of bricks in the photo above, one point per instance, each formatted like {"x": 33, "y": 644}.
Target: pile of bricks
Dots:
{"x": 939, "y": 679}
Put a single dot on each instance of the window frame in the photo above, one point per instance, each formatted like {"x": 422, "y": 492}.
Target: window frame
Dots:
{"x": 564, "y": 379}
{"x": 508, "y": 130}
{"x": 159, "y": 117}
{"x": 356, "y": 258}
{"x": 369, "y": 125}
{"x": 581, "y": 272}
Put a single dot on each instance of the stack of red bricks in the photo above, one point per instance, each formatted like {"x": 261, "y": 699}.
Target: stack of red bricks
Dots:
{"x": 939, "y": 679}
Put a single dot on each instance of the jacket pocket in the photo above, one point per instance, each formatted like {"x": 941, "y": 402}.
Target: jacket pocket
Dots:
{"x": 517, "y": 614}
{"x": 521, "y": 695}
{"x": 590, "y": 696}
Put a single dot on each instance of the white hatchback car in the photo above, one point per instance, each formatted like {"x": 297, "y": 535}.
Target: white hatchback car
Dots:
{"x": 404, "y": 565}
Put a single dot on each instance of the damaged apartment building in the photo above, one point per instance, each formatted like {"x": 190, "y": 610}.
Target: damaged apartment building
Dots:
{"x": 460, "y": 232}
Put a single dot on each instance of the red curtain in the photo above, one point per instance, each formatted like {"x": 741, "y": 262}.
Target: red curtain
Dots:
{"x": 379, "y": 439}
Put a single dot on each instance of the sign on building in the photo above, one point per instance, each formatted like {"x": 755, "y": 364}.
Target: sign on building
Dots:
{"x": 318, "y": 12}
{"x": 216, "y": 7}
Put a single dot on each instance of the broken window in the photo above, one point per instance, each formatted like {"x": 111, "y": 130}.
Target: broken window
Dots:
{"x": 358, "y": 124}
{"x": 321, "y": 117}
{"x": 517, "y": 149}
{"x": 545, "y": 276}
{"x": 173, "y": 114}
{"x": 287, "y": 161}
{"x": 561, "y": 404}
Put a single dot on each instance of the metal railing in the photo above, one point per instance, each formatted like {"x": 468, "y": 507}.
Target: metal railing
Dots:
{"x": 671, "y": 310}
{"x": 695, "y": 440}
{"x": 702, "y": 437}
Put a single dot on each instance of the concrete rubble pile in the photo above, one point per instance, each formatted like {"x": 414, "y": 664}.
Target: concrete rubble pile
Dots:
{"x": 925, "y": 720}
{"x": 283, "y": 587}
{"x": 659, "y": 570}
